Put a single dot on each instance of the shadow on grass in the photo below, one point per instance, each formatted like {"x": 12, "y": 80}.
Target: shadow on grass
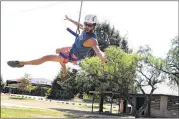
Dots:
{"x": 89, "y": 114}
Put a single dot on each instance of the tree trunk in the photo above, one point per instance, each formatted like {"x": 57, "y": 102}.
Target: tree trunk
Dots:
{"x": 101, "y": 103}
{"x": 149, "y": 106}
{"x": 119, "y": 105}
{"x": 136, "y": 112}
{"x": 141, "y": 111}
{"x": 178, "y": 89}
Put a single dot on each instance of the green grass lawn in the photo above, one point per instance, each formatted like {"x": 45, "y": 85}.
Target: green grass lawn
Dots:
{"x": 14, "y": 112}
{"x": 17, "y": 112}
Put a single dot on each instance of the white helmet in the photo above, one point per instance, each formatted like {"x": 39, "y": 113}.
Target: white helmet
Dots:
{"x": 91, "y": 19}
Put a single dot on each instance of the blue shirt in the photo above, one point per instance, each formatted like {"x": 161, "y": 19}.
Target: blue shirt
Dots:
{"x": 78, "y": 49}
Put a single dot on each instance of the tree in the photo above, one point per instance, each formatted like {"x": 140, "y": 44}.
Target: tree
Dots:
{"x": 122, "y": 68}
{"x": 116, "y": 75}
{"x": 109, "y": 36}
{"x": 93, "y": 77}
{"x": 66, "y": 91}
{"x": 172, "y": 63}
{"x": 55, "y": 89}
{"x": 149, "y": 74}
{"x": 40, "y": 91}
{"x": 25, "y": 84}
{"x": 172, "y": 59}
{"x": 2, "y": 83}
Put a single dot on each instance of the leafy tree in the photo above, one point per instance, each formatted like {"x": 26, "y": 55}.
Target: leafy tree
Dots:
{"x": 2, "y": 83}
{"x": 173, "y": 60}
{"x": 149, "y": 74}
{"x": 66, "y": 91}
{"x": 25, "y": 84}
{"x": 93, "y": 77}
{"x": 172, "y": 63}
{"x": 40, "y": 91}
{"x": 116, "y": 75}
{"x": 107, "y": 36}
{"x": 123, "y": 69}
{"x": 48, "y": 92}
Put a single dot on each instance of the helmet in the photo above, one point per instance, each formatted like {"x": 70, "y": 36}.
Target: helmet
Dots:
{"x": 91, "y": 19}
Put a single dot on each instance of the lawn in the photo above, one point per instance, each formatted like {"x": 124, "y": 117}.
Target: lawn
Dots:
{"x": 21, "y": 107}
{"x": 14, "y": 112}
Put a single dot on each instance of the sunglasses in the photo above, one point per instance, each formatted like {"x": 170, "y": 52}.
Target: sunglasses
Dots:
{"x": 89, "y": 25}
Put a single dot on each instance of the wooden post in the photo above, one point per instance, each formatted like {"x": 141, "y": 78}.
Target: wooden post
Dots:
{"x": 92, "y": 102}
{"x": 118, "y": 105}
{"x": 111, "y": 103}
{"x": 121, "y": 105}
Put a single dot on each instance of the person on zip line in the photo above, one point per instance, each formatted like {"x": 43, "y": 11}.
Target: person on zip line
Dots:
{"x": 86, "y": 41}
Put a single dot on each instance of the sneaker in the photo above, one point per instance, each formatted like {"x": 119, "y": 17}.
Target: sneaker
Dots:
{"x": 14, "y": 64}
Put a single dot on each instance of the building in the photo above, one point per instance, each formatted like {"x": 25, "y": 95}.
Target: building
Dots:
{"x": 161, "y": 105}
{"x": 34, "y": 81}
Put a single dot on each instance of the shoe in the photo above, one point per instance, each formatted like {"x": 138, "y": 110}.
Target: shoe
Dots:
{"x": 14, "y": 64}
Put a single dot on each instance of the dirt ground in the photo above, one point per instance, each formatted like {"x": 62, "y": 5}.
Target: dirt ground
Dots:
{"x": 70, "y": 107}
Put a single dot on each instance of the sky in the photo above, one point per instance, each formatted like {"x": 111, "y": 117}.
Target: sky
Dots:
{"x": 31, "y": 29}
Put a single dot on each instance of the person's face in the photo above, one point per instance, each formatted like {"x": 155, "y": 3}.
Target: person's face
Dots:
{"x": 88, "y": 27}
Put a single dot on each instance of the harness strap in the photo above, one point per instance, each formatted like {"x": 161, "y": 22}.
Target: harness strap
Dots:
{"x": 63, "y": 55}
{"x": 72, "y": 32}
{"x": 67, "y": 57}
{"x": 76, "y": 35}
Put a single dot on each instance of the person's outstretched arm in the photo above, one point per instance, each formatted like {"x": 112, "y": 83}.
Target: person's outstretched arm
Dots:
{"x": 74, "y": 22}
{"x": 99, "y": 53}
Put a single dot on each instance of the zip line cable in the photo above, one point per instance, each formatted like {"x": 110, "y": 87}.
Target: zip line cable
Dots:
{"x": 78, "y": 30}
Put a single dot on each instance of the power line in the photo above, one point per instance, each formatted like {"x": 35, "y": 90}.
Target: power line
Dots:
{"x": 39, "y": 7}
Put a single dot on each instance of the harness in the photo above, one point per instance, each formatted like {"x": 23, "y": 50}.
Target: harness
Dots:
{"x": 77, "y": 50}
{"x": 76, "y": 35}
{"x": 70, "y": 53}
{"x": 68, "y": 57}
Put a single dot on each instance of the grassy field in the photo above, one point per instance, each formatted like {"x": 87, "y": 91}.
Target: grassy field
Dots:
{"x": 21, "y": 112}
{"x": 14, "y": 112}
{"x": 21, "y": 107}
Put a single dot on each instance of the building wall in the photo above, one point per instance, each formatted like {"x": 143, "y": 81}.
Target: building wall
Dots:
{"x": 155, "y": 106}
{"x": 162, "y": 107}
{"x": 173, "y": 106}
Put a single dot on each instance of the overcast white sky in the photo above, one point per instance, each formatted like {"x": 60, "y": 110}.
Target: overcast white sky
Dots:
{"x": 31, "y": 29}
